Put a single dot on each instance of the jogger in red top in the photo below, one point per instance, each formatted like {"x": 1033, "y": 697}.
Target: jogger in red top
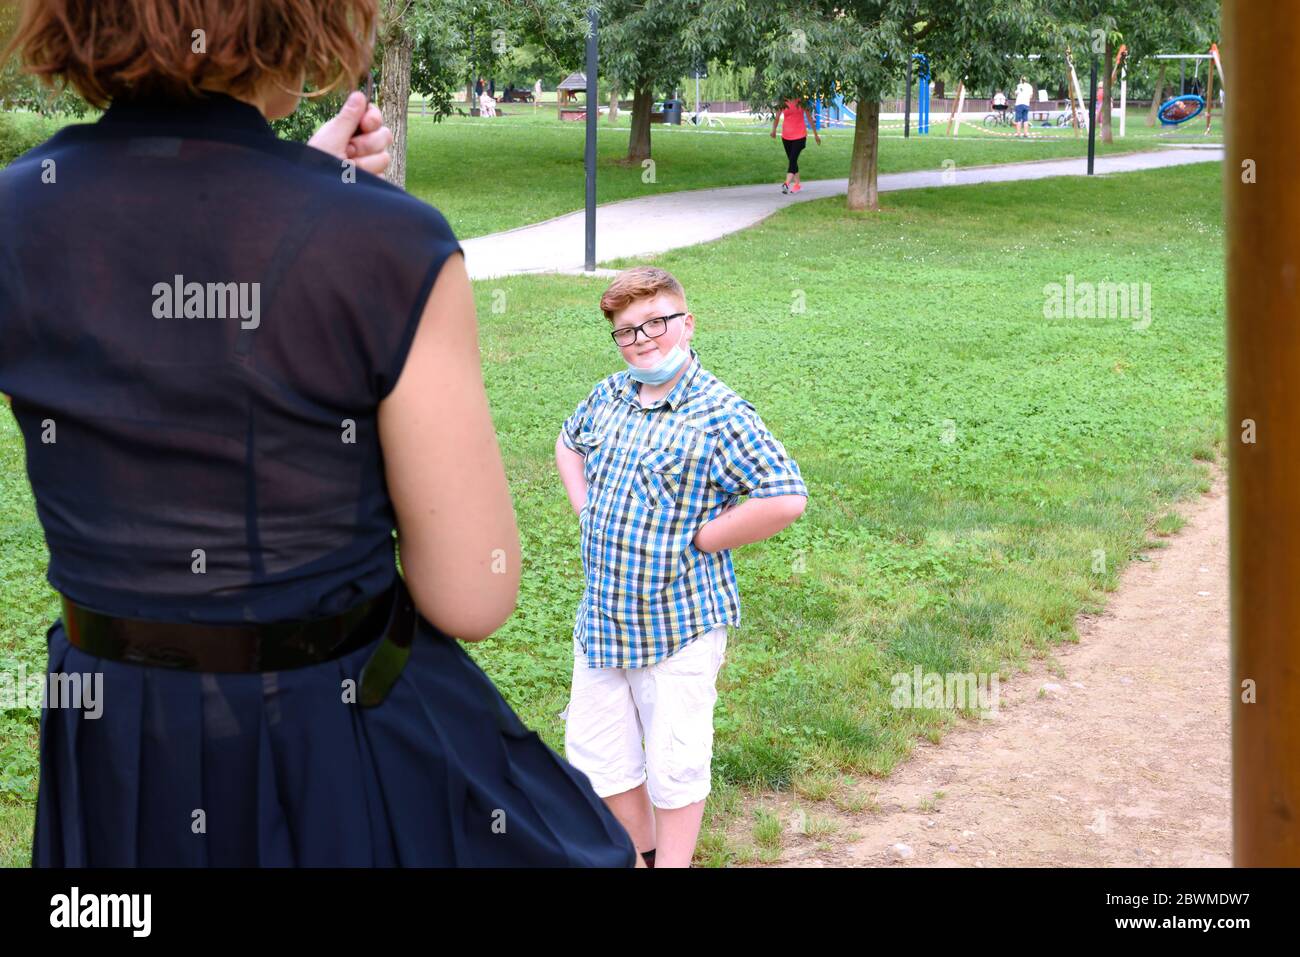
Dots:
{"x": 794, "y": 136}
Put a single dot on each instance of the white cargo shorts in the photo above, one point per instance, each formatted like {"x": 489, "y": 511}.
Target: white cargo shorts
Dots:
{"x": 667, "y": 705}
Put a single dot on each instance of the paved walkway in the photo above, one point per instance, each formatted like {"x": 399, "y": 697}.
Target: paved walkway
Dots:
{"x": 655, "y": 224}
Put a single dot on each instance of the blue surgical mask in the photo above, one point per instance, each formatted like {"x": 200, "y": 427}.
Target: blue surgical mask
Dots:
{"x": 665, "y": 368}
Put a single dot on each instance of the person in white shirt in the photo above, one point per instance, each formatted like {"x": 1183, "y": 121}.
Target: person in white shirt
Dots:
{"x": 1024, "y": 96}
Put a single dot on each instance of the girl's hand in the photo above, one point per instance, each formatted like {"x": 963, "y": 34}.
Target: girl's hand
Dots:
{"x": 774, "y": 134}
{"x": 357, "y": 133}
{"x": 818, "y": 138}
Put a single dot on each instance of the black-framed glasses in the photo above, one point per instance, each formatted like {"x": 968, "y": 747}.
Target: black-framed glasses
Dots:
{"x": 653, "y": 329}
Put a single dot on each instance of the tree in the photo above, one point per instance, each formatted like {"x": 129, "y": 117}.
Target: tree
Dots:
{"x": 432, "y": 47}
{"x": 860, "y": 49}
{"x": 1147, "y": 27}
{"x": 644, "y": 47}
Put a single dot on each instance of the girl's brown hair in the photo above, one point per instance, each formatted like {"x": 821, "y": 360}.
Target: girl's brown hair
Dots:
{"x": 105, "y": 50}
{"x": 639, "y": 282}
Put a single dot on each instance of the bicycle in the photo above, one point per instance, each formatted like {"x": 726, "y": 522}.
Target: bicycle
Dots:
{"x": 997, "y": 118}
{"x": 702, "y": 116}
{"x": 1063, "y": 118}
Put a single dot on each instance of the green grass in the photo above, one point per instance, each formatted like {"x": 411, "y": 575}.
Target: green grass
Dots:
{"x": 966, "y": 458}
{"x": 488, "y": 174}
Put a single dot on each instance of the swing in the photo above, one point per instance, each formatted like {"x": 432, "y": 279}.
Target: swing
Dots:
{"x": 1181, "y": 109}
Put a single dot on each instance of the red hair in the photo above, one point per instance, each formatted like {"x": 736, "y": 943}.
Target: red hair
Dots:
{"x": 105, "y": 49}
{"x": 637, "y": 283}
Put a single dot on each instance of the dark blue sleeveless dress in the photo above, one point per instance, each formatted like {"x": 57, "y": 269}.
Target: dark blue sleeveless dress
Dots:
{"x": 197, "y": 324}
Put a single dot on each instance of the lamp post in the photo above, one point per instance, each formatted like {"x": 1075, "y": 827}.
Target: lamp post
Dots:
{"x": 593, "y": 23}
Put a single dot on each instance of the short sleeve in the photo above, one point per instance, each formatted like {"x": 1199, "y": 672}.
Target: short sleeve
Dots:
{"x": 425, "y": 246}
{"x": 748, "y": 460}
{"x": 575, "y": 425}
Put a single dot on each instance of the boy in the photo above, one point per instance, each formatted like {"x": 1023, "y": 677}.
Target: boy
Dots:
{"x": 654, "y": 461}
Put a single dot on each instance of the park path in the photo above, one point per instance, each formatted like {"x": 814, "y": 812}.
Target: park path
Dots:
{"x": 1114, "y": 754}
{"x": 655, "y": 224}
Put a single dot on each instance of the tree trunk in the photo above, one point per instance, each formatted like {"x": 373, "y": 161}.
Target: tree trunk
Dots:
{"x": 638, "y": 143}
{"x": 613, "y": 104}
{"x": 1106, "y": 136}
{"x": 866, "y": 152}
{"x": 394, "y": 91}
{"x": 1154, "y": 114}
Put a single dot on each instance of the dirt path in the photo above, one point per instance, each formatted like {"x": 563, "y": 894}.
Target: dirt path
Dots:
{"x": 1122, "y": 761}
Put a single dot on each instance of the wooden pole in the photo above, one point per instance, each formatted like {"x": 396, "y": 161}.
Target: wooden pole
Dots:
{"x": 1262, "y": 215}
{"x": 1209, "y": 97}
{"x": 955, "y": 104}
{"x": 1075, "y": 91}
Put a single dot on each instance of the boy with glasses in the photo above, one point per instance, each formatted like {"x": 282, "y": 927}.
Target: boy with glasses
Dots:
{"x": 655, "y": 461}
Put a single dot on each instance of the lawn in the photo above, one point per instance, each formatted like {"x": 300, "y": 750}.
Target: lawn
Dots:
{"x": 527, "y": 166}
{"x": 968, "y": 458}
{"x": 970, "y": 461}
{"x": 489, "y": 174}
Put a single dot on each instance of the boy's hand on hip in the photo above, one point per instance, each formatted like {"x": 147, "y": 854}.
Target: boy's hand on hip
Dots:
{"x": 751, "y": 521}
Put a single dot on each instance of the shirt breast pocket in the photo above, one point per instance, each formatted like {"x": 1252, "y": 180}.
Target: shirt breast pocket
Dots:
{"x": 658, "y": 478}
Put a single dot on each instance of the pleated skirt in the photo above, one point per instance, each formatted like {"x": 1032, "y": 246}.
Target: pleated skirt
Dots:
{"x": 280, "y": 769}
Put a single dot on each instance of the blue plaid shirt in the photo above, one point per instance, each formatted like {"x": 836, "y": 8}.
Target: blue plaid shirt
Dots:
{"x": 655, "y": 476}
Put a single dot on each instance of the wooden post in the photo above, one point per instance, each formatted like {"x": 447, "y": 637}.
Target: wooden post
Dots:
{"x": 1209, "y": 91}
{"x": 1262, "y": 217}
{"x": 1209, "y": 97}
{"x": 956, "y": 104}
{"x": 1075, "y": 91}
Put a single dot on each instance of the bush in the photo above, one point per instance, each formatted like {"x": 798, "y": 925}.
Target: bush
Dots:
{"x": 19, "y": 132}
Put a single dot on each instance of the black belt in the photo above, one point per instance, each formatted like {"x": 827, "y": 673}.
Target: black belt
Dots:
{"x": 243, "y": 648}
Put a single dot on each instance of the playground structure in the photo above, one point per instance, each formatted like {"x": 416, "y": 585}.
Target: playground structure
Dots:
{"x": 1186, "y": 106}
{"x": 834, "y": 113}
{"x": 923, "y": 95}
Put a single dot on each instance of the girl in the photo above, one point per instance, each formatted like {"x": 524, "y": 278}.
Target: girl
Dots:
{"x": 241, "y": 366}
{"x": 797, "y": 118}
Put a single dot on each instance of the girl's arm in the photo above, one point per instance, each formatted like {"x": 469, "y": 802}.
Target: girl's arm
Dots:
{"x": 455, "y": 521}
{"x": 809, "y": 119}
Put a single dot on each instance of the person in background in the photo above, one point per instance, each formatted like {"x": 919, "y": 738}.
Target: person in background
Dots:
{"x": 794, "y": 119}
{"x": 1024, "y": 97}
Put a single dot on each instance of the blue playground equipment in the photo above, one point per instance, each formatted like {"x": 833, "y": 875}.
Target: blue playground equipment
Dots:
{"x": 1181, "y": 109}
{"x": 834, "y": 113}
{"x": 923, "y": 97}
